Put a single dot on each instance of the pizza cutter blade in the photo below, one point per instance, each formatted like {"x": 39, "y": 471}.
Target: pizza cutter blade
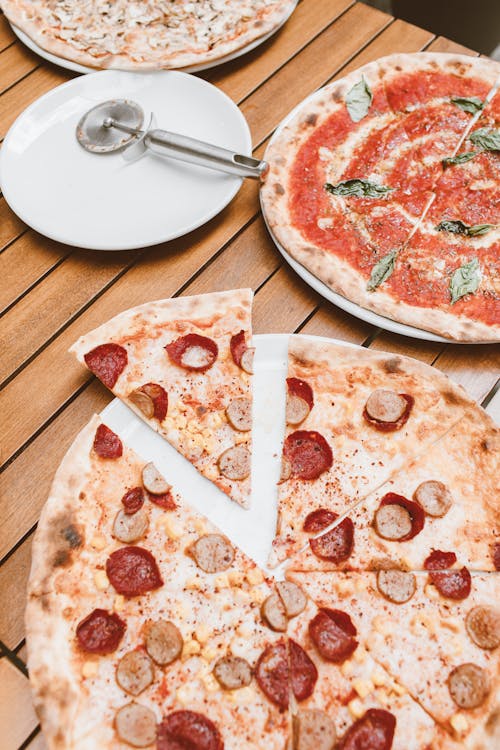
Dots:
{"x": 117, "y": 124}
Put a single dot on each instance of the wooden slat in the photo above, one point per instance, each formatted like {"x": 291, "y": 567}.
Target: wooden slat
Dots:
{"x": 441, "y": 44}
{"x": 52, "y": 304}
{"x": 426, "y": 351}
{"x": 10, "y": 226}
{"x": 13, "y": 581}
{"x": 242, "y": 76}
{"x": 17, "y": 717}
{"x": 477, "y": 380}
{"x": 25, "y": 262}
{"x": 15, "y": 63}
{"x": 7, "y": 36}
{"x": 330, "y": 321}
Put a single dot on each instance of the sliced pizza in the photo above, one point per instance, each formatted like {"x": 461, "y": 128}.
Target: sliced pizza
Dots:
{"x": 445, "y": 499}
{"x": 436, "y": 634}
{"x": 143, "y": 621}
{"x": 354, "y": 418}
{"x": 184, "y": 366}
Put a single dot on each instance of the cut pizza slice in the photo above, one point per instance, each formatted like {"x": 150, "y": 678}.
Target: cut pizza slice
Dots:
{"x": 354, "y": 418}
{"x": 445, "y": 499}
{"x": 353, "y": 699}
{"x": 184, "y": 366}
{"x": 143, "y": 621}
{"x": 437, "y": 641}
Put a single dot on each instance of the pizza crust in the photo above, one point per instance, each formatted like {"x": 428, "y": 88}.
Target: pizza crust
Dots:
{"x": 141, "y": 55}
{"x": 333, "y": 271}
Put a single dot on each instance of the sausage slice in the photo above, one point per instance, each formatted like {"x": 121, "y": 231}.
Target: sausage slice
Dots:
{"x": 212, "y": 553}
{"x": 235, "y": 463}
{"x": 385, "y": 406}
{"x": 135, "y": 672}
{"x": 239, "y": 414}
{"x": 313, "y": 730}
{"x": 163, "y": 642}
{"x": 396, "y": 585}
{"x": 483, "y": 626}
{"x": 273, "y": 612}
{"x": 469, "y": 685}
{"x": 144, "y": 403}
{"x": 153, "y": 480}
{"x": 292, "y": 596}
{"x": 232, "y": 672}
{"x": 246, "y": 361}
{"x": 434, "y": 497}
{"x": 128, "y": 527}
{"x": 136, "y": 725}
{"x": 392, "y": 522}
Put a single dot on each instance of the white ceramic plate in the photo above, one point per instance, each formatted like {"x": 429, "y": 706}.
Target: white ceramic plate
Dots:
{"x": 252, "y": 530}
{"x": 70, "y": 65}
{"x": 103, "y": 202}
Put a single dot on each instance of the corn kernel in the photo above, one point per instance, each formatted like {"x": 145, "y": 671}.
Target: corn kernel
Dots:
{"x": 171, "y": 527}
{"x": 209, "y": 653}
{"x": 202, "y": 633}
{"x": 239, "y": 647}
{"x": 397, "y": 689}
{"x": 236, "y": 577}
{"x": 185, "y": 694}
{"x": 242, "y": 695}
{"x": 359, "y": 656}
{"x": 381, "y": 625}
{"x": 211, "y": 684}
{"x": 190, "y": 648}
{"x": 98, "y": 542}
{"x": 255, "y": 576}
{"x": 119, "y": 603}
{"x": 90, "y": 668}
{"x": 347, "y": 668}
{"x": 200, "y": 526}
{"x": 241, "y": 596}
{"x": 378, "y": 678}
{"x": 181, "y": 422}
{"x": 193, "y": 583}
{"x": 459, "y": 723}
{"x": 101, "y": 580}
{"x": 258, "y": 595}
{"x": 356, "y": 708}
{"x": 222, "y": 581}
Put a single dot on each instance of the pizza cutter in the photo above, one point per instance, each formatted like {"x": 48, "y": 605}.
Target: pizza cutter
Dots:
{"x": 116, "y": 125}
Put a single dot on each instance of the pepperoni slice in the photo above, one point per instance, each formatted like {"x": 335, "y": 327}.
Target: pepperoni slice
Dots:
{"x": 318, "y": 520}
{"x": 193, "y": 352}
{"x": 303, "y": 672}
{"x": 496, "y": 556}
{"x": 165, "y": 501}
{"x": 133, "y": 571}
{"x": 438, "y": 560}
{"x": 107, "y": 361}
{"x": 106, "y": 443}
{"x": 332, "y": 632}
{"x": 337, "y": 544}
{"x": 188, "y": 730}
{"x": 415, "y": 513}
{"x": 133, "y": 500}
{"x": 152, "y": 400}
{"x": 452, "y": 584}
{"x": 308, "y": 453}
{"x": 238, "y": 347}
{"x": 272, "y": 674}
{"x": 100, "y": 632}
{"x": 373, "y": 731}
{"x": 392, "y": 426}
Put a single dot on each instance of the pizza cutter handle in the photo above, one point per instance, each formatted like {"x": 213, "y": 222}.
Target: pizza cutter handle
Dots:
{"x": 191, "y": 150}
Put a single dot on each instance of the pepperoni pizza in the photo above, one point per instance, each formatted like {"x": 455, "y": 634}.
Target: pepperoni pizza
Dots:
{"x": 144, "y": 35}
{"x": 385, "y": 185}
{"x": 184, "y": 366}
{"x": 147, "y": 627}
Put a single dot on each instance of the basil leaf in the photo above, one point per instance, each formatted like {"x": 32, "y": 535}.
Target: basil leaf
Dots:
{"x": 460, "y": 159}
{"x": 382, "y": 270}
{"x": 486, "y": 138}
{"x": 358, "y": 100}
{"x": 361, "y": 188}
{"x": 471, "y": 105}
{"x": 479, "y": 229}
{"x": 465, "y": 280}
{"x": 458, "y": 227}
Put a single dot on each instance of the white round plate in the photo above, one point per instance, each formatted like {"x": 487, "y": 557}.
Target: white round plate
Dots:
{"x": 70, "y": 65}
{"x": 252, "y": 530}
{"x": 100, "y": 201}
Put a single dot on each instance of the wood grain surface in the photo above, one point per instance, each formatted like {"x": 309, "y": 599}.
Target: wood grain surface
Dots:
{"x": 52, "y": 293}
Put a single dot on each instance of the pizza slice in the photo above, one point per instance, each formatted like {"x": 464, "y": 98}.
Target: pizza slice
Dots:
{"x": 352, "y": 422}
{"x": 143, "y": 621}
{"x": 436, "y": 639}
{"x": 354, "y": 699}
{"x": 445, "y": 499}
{"x": 184, "y": 366}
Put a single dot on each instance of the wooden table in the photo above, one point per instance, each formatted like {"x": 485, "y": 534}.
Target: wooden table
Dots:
{"x": 51, "y": 293}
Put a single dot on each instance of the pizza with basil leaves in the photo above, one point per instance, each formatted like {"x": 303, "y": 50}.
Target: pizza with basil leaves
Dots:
{"x": 385, "y": 185}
